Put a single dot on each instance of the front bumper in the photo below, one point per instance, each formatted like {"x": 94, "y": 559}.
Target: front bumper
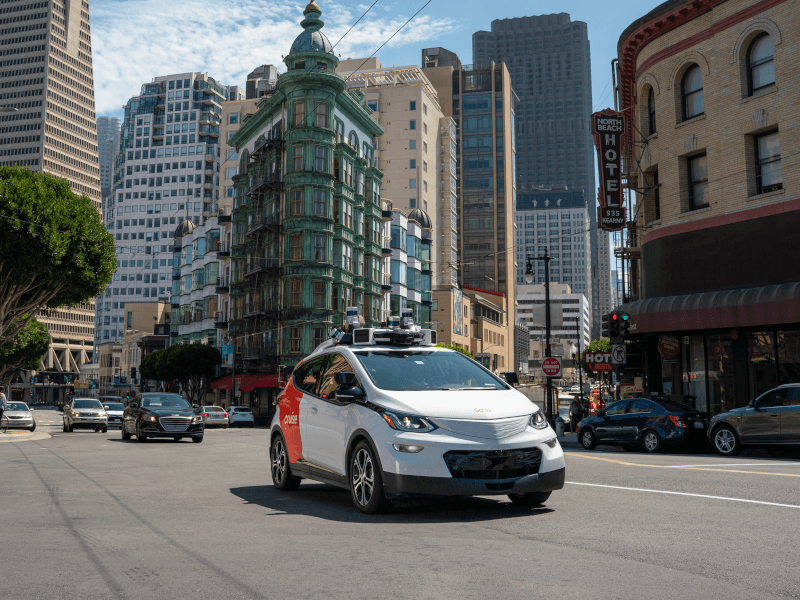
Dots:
{"x": 24, "y": 423}
{"x": 195, "y": 430}
{"x": 411, "y": 486}
{"x": 88, "y": 422}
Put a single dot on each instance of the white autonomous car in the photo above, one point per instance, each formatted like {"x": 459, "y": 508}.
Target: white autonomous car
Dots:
{"x": 386, "y": 413}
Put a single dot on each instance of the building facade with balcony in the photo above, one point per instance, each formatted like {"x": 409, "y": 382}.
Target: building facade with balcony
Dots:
{"x": 308, "y": 220}
{"x": 710, "y": 91}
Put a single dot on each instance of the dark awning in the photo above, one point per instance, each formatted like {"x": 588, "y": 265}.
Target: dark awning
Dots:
{"x": 246, "y": 381}
{"x": 749, "y": 307}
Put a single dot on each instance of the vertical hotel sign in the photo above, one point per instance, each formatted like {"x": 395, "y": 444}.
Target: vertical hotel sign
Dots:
{"x": 608, "y": 127}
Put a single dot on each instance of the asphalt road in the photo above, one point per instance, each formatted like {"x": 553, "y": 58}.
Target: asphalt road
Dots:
{"x": 86, "y": 515}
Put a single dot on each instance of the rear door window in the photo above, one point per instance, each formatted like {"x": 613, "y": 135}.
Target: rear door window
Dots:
{"x": 641, "y": 406}
{"x": 617, "y": 408}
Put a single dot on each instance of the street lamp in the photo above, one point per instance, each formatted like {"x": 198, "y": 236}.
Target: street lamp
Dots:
{"x": 529, "y": 279}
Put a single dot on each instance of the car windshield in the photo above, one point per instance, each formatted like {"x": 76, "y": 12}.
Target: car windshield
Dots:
{"x": 114, "y": 406}
{"x": 87, "y": 404}
{"x": 212, "y": 409}
{"x": 408, "y": 370}
{"x": 17, "y": 406}
{"x": 164, "y": 401}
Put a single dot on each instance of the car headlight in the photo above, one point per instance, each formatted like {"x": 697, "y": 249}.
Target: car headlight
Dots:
{"x": 408, "y": 422}
{"x": 538, "y": 421}
{"x": 152, "y": 419}
{"x": 196, "y": 419}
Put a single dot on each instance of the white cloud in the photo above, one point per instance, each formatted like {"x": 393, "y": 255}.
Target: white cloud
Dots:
{"x": 136, "y": 40}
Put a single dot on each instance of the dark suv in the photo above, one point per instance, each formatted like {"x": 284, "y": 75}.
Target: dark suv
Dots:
{"x": 771, "y": 421}
{"x": 152, "y": 415}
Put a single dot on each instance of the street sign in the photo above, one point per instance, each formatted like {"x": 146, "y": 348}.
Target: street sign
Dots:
{"x": 618, "y": 354}
{"x": 669, "y": 346}
{"x": 551, "y": 367}
{"x": 598, "y": 361}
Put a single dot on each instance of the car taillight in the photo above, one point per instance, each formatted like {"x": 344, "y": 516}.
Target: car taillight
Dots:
{"x": 205, "y": 415}
{"x": 225, "y": 415}
{"x": 677, "y": 421}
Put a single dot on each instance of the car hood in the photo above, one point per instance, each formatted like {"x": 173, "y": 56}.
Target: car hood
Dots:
{"x": 17, "y": 413}
{"x": 114, "y": 413}
{"x": 481, "y": 405}
{"x": 169, "y": 412}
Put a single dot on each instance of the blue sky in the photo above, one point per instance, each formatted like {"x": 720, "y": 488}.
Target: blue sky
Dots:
{"x": 136, "y": 40}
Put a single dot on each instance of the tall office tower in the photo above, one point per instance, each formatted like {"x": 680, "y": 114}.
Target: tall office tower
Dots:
{"x": 166, "y": 171}
{"x": 46, "y": 60}
{"x": 108, "y": 134}
{"x": 416, "y": 154}
{"x": 548, "y": 58}
{"x": 557, "y": 221}
{"x": 480, "y": 100}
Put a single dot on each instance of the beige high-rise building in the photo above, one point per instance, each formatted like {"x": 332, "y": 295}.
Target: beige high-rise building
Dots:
{"x": 417, "y": 153}
{"x": 46, "y": 60}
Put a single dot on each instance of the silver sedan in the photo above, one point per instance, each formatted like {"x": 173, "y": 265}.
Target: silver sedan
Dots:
{"x": 18, "y": 416}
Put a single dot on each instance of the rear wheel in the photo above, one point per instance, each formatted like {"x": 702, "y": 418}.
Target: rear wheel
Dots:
{"x": 652, "y": 441}
{"x": 281, "y": 470}
{"x": 726, "y": 442}
{"x": 529, "y": 499}
{"x": 366, "y": 482}
{"x": 588, "y": 439}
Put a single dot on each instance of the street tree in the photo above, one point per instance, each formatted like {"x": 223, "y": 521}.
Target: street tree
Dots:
{"x": 25, "y": 351}
{"x": 54, "y": 250}
{"x": 192, "y": 366}
{"x": 154, "y": 366}
{"x": 456, "y": 348}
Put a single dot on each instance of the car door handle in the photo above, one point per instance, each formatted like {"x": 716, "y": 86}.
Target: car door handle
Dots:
{"x": 774, "y": 414}
{"x": 313, "y": 410}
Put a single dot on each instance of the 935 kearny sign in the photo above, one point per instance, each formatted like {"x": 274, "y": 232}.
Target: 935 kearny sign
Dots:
{"x": 608, "y": 128}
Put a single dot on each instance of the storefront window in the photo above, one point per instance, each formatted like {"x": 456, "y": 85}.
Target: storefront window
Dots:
{"x": 761, "y": 359}
{"x": 721, "y": 379}
{"x": 694, "y": 377}
{"x": 788, "y": 357}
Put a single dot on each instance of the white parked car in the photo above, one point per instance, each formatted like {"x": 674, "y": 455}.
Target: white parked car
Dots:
{"x": 215, "y": 416}
{"x": 18, "y": 416}
{"x": 240, "y": 416}
{"x": 392, "y": 415}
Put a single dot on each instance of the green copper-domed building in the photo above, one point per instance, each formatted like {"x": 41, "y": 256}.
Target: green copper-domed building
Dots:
{"x": 308, "y": 219}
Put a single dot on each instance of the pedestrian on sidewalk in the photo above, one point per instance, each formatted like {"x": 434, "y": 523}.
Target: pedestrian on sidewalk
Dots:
{"x": 2, "y": 410}
{"x": 575, "y": 413}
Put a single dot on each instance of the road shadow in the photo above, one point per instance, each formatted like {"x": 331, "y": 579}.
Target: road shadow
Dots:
{"x": 336, "y": 504}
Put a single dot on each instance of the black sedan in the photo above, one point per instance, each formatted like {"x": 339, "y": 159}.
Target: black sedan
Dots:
{"x": 771, "y": 421}
{"x": 154, "y": 415}
{"x": 646, "y": 422}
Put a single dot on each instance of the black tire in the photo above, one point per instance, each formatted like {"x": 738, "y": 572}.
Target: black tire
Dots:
{"x": 224, "y": 426}
{"x": 529, "y": 499}
{"x": 725, "y": 441}
{"x": 32, "y": 428}
{"x": 104, "y": 430}
{"x": 70, "y": 428}
{"x": 140, "y": 437}
{"x": 197, "y": 440}
{"x": 366, "y": 481}
{"x": 65, "y": 426}
{"x": 125, "y": 435}
{"x": 177, "y": 438}
{"x": 651, "y": 441}
{"x": 280, "y": 468}
{"x": 588, "y": 439}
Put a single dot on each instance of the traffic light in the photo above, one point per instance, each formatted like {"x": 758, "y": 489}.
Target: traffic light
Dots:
{"x": 624, "y": 325}
{"x": 604, "y": 326}
{"x": 613, "y": 325}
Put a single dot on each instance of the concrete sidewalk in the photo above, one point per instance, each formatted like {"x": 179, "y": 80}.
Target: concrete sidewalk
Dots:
{"x": 21, "y": 435}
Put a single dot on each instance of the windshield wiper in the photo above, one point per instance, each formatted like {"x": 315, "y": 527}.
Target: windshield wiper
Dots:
{"x": 469, "y": 388}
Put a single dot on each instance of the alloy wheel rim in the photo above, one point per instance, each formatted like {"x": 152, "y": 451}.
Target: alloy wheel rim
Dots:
{"x": 724, "y": 440}
{"x": 587, "y": 439}
{"x": 363, "y": 477}
{"x": 278, "y": 462}
{"x": 650, "y": 441}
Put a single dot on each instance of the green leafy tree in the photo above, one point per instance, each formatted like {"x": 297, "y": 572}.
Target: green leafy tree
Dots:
{"x": 601, "y": 345}
{"x": 25, "y": 351}
{"x": 190, "y": 365}
{"x": 154, "y": 366}
{"x": 456, "y": 348}
{"x": 54, "y": 249}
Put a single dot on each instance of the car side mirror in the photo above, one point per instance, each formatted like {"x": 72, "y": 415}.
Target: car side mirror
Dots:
{"x": 195, "y": 406}
{"x": 32, "y": 409}
{"x": 350, "y": 394}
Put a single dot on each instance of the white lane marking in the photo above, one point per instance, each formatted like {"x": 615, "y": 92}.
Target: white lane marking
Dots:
{"x": 630, "y": 489}
{"x": 775, "y": 464}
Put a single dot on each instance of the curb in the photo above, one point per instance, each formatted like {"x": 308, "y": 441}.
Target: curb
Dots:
{"x": 24, "y": 436}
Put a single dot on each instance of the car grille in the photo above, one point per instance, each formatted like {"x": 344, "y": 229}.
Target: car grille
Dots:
{"x": 493, "y": 464}
{"x": 491, "y": 429}
{"x": 175, "y": 423}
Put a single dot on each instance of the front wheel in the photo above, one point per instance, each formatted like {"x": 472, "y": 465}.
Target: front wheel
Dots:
{"x": 529, "y": 499}
{"x": 65, "y": 427}
{"x": 125, "y": 435}
{"x": 652, "y": 441}
{"x": 197, "y": 440}
{"x": 588, "y": 439}
{"x": 366, "y": 482}
{"x": 280, "y": 468}
{"x": 726, "y": 442}
{"x": 140, "y": 437}
{"x": 32, "y": 428}
{"x": 104, "y": 430}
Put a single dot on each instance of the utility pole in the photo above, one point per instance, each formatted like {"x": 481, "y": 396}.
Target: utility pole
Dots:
{"x": 548, "y": 402}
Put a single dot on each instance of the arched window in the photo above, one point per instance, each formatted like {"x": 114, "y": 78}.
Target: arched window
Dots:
{"x": 651, "y": 112}
{"x": 353, "y": 141}
{"x": 760, "y": 63}
{"x": 692, "y": 92}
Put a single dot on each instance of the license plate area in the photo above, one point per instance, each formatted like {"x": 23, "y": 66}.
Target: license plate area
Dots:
{"x": 699, "y": 425}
